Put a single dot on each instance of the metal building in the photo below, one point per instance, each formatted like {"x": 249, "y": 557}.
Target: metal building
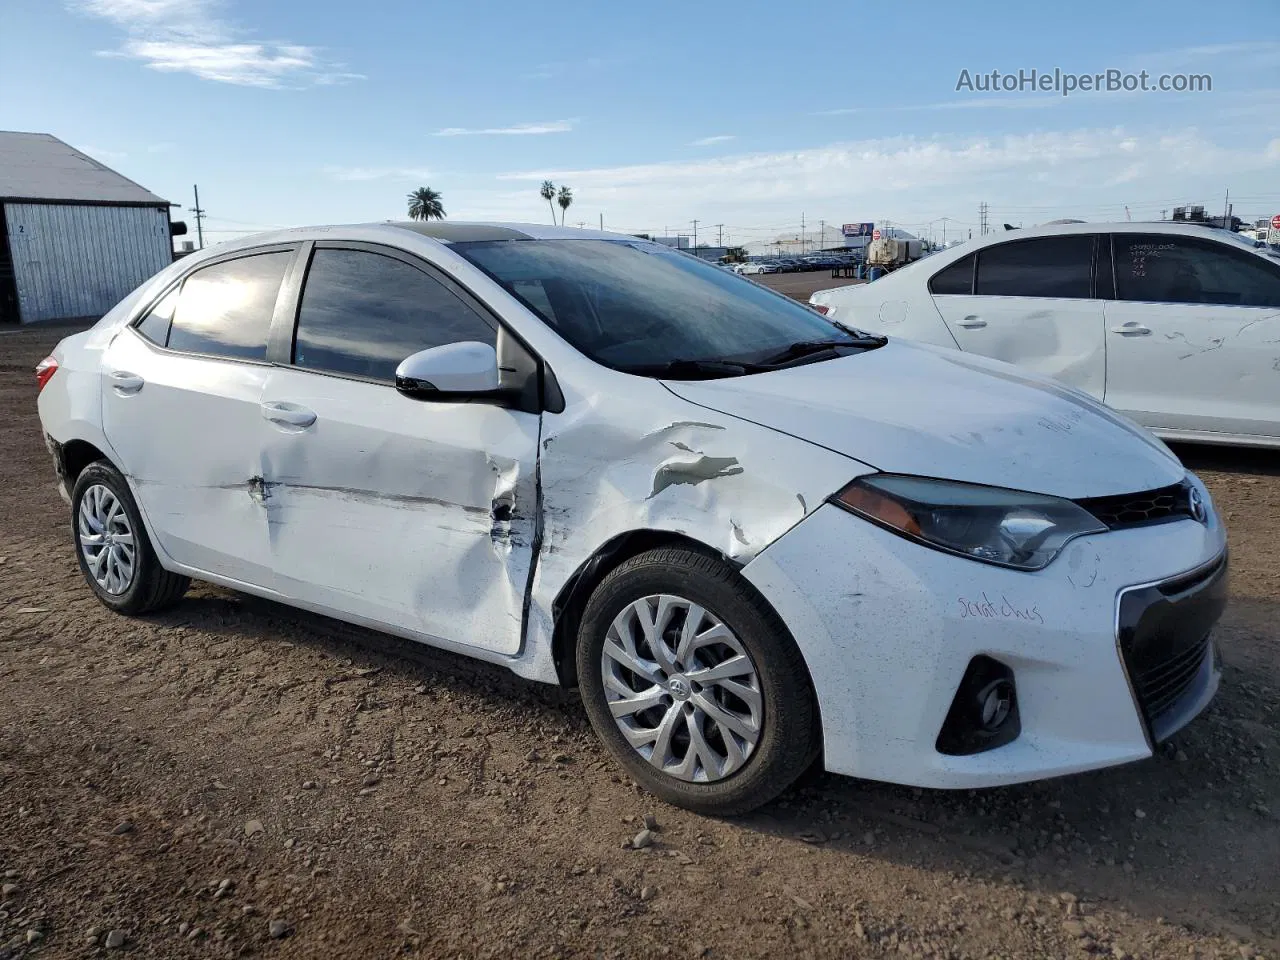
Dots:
{"x": 75, "y": 236}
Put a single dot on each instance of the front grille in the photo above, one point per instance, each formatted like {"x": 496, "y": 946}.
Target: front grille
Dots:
{"x": 1163, "y": 637}
{"x": 1159, "y": 687}
{"x": 1142, "y": 509}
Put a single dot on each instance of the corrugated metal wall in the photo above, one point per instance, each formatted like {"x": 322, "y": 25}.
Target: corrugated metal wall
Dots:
{"x": 80, "y": 261}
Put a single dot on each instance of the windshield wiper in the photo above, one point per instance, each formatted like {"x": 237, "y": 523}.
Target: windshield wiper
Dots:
{"x": 808, "y": 348}
{"x": 681, "y": 369}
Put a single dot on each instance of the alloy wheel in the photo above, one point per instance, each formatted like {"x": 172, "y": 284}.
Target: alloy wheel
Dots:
{"x": 682, "y": 688}
{"x": 106, "y": 539}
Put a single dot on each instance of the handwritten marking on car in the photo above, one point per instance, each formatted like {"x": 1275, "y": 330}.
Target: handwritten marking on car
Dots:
{"x": 987, "y": 609}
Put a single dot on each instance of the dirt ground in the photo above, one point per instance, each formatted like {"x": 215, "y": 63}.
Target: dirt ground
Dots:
{"x": 802, "y": 285}
{"x": 197, "y": 783}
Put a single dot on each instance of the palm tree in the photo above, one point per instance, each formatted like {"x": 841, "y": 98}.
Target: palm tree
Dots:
{"x": 548, "y": 191}
{"x": 564, "y": 198}
{"x": 424, "y": 204}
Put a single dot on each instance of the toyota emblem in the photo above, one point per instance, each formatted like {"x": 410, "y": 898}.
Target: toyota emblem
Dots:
{"x": 1198, "y": 509}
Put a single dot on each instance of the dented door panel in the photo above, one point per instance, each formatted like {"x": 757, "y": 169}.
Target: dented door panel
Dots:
{"x": 1059, "y": 338}
{"x": 661, "y": 463}
{"x": 187, "y": 440}
{"x": 1198, "y": 367}
{"x": 417, "y": 515}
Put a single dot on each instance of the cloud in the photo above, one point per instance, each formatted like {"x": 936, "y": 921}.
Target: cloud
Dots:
{"x": 919, "y": 177}
{"x": 976, "y": 103}
{"x": 709, "y": 141}
{"x": 545, "y": 71}
{"x": 190, "y": 36}
{"x": 365, "y": 174}
{"x": 518, "y": 129}
{"x": 101, "y": 153}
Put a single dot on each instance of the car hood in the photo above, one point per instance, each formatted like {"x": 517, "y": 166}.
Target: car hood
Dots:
{"x": 910, "y": 408}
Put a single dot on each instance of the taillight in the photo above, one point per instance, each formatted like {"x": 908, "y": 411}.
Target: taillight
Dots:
{"x": 45, "y": 370}
{"x": 820, "y": 307}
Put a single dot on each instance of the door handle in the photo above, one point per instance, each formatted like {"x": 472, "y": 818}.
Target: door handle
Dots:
{"x": 288, "y": 415}
{"x": 971, "y": 323}
{"x": 1132, "y": 329}
{"x": 126, "y": 384}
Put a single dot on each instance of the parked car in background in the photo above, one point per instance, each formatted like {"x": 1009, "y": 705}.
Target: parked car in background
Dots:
{"x": 760, "y": 266}
{"x": 600, "y": 462}
{"x": 1174, "y": 325}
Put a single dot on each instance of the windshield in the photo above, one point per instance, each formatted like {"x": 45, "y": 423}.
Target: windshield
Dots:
{"x": 639, "y": 307}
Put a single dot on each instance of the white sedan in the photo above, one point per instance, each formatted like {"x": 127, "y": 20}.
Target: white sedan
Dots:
{"x": 751, "y": 536}
{"x": 1174, "y": 325}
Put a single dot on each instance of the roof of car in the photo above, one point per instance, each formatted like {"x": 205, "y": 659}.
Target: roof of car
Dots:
{"x": 454, "y": 231}
{"x": 1184, "y": 227}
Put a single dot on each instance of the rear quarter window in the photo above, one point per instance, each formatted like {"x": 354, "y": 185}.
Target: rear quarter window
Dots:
{"x": 955, "y": 279}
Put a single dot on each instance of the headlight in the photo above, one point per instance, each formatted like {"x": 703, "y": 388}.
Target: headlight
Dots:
{"x": 1005, "y": 527}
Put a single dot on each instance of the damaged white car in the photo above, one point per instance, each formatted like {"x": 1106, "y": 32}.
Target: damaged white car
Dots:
{"x": 1174, "y": 324}
{"x": 751, "y": 536}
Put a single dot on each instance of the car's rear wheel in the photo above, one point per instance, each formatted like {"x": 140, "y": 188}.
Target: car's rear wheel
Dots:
{"x": 694, "y": 683}
{"x": 115, "y": 555}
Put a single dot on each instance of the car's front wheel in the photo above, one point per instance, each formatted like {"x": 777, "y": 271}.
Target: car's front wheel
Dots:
{"x": 694, "y": 683}
{"x": 115, "y": 555}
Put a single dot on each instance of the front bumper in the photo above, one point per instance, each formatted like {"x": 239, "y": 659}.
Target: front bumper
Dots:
{"x": 889, "y": 627}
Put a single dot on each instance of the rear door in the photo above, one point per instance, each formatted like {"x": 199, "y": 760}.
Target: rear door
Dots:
{"x": 1193, "y": 335}
{"x": 180, "y": 396}
{"x": 1029, "y": 302}
{"x": 413, "y": 514}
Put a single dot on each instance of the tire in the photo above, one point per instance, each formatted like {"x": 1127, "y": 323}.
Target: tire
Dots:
{"x": 100, "y": 493}
{"x": 725, "y": 774}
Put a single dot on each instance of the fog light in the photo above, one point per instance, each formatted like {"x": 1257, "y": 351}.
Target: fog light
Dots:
{"x": 984, "y": 711}
{"x": 995, "y": 703}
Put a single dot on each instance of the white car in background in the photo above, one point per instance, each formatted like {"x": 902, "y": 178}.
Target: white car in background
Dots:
{"x": 1174, "y": 325}
{"x": 751, "y": 536}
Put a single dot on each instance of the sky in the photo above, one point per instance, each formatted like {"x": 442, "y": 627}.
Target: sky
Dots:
{"x": 746, "y": 117}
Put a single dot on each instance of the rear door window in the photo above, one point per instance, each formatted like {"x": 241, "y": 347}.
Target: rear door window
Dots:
{"x": 362, "y": 313}
{"x": 1059, "y": 267}
{"x": 224, "y": 310}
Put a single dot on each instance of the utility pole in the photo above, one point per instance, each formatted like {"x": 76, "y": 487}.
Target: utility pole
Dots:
{"x": 602, "y": 223}
{"x": 199, "y": 212}
{"x": 983, "y": 210}
{"x": 1163, "y": 212}
{"x": 695, "y": 235}
{"x": 944, "y": 233}
{"x": 822, "y": 233}
{"x": 1226, "y": 209}
{"x": 719, "y": 234}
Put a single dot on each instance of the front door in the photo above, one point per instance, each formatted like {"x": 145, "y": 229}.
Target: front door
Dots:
{"x": 1193, "y": 336}
{"x": 417, "y": 515}
{"x": 1033, "y": 305}
{"x": 180, "y": 406}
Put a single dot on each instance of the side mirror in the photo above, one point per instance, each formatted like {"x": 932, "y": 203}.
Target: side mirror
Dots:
{"x": 453, "y": 371}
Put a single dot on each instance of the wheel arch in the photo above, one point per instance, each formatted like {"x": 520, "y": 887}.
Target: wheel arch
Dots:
{"x": 567, "y": 607}
{"x": 74, "y": 455}
{"x": 573, "y": 596}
